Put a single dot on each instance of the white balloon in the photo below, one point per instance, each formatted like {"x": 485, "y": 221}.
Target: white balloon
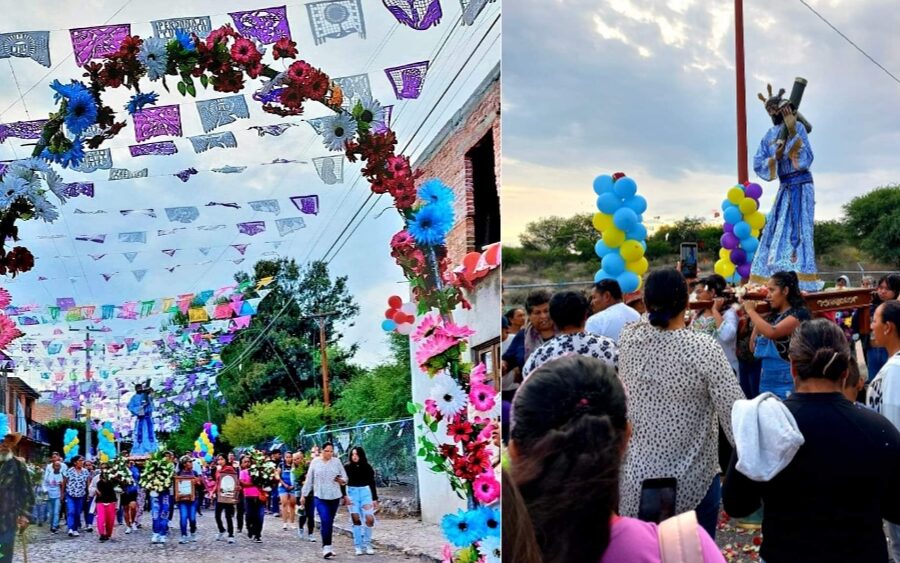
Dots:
{"x": 405, "y": 329}
{"x": 409, "y": 308}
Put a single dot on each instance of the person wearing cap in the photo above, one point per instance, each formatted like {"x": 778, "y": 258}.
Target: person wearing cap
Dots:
{"x": 843, "y": 282}
{"x": 16, "y": 494}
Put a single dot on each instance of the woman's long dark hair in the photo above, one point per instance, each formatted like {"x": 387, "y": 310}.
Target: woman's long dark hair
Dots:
{"x": 363, "y": 460}
{"x": 520, "y": 543}
{"x": 665, "y": 295}
{"x": 790, "y": 282}
{"x": 569, "y": 431}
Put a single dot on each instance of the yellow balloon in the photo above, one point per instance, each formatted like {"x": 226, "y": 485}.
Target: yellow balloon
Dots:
{"x": 725, "y": 268}
{"x": 602, "y": 221}
{"x": 747, "y": 206}
{"x": 736, "y": 195}
{"x": 755, "y": 233}
{"x": 613, "y": 237}
{"x": 756, "y": 220}
{"x": 640, "y": 280}
{"x": 724, "y": 253}
{"x": 639, "y": 266}
{"x": 631, "y": 250}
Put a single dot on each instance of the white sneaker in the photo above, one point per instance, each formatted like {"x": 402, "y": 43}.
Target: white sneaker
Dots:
{"x": 327, "y": 552}
{"x": 369, "y": 550}
{"x": 193, "y": 538}
{"x": 231, "y": 540}
{"x": 155, "y": 538}
{"x": 284, "y": 526}
{"x": 75, "y": 534}
{"x": 301, "y": 534}
{"x": 162, "y": 539}
{"x": 359, "y": 551}
{"x": 220, "y": 536}
{"x": 127, "y": 530}
{"x": 134, "y": 528}
{"x": 183, "y": 540}
{"x": 311, "y": 538}
{"x": 71, "y": 533}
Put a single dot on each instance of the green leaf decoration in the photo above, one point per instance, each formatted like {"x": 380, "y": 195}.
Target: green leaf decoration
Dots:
{"x": 182, "y": 88}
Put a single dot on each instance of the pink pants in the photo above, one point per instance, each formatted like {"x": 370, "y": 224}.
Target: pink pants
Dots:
{"x": 106, "y": 518}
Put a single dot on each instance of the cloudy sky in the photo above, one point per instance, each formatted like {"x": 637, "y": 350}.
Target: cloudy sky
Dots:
{"x": 71, "y": 272}
{"x": 647, "y": 88}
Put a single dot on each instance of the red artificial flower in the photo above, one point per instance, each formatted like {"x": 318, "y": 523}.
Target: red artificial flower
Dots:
{"x": 130, "y": 47}
{"x": 253, "y": 71}
{"x": 244, "y": 52}
{"x": 292, "y": 97}
{"x": 113, "y": 74}
{"x": 220, "y": 34}
{"x": 284, "y": 48}
{"x": 449, "y": 451}
{"x": 460, "y": 431}
{"x": 317, "y": 85}
{"x": 283, "y": 112}
{"x": 399, "y": 166}
{"x": 230, "y": 81}
{"x": 298, "y": 71}
{"x": 93, "y": 69}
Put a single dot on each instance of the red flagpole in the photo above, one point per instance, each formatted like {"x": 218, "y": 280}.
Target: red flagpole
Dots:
{"x": 741, "y": 85}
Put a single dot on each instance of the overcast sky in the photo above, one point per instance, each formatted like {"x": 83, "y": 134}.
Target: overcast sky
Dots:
{"x": 365, "y": 258}
{"x": 647, "y": 88}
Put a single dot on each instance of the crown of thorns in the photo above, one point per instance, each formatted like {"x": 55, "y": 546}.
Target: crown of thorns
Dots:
{"x": 773, "y": 99}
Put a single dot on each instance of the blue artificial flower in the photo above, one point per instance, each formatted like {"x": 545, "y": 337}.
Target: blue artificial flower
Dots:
{"x": 431, "y": 224}
{"x": 154, "y": 57}
{"x": 434, "y": 191}
{"x": 489, "y": 520}
{"x": 183, "y": 37}
{"x": 64, "y": 90}
{"x": 463, "y": 528}
{"x": 138, "y": 101}
{"x": 68, "y": 159}
{"x": 81, "y": 110}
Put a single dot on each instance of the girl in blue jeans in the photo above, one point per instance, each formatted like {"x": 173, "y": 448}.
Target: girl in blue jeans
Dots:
{"x": 772, "y": 336}
{"x": 187, "y": 509}
{"x": 363, "y": 499}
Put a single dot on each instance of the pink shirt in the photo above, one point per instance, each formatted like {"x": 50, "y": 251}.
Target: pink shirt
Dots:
{"x": 247, "y": 484}
{"x": 634, "y": 541}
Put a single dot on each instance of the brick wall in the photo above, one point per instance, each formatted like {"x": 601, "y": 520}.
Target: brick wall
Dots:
{"x": 44, "y": 412}
{"x": 446, "y": 159}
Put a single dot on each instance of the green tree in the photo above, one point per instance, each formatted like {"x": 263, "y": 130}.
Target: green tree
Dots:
{"x": 872, "y": 219}
{"x": 278, "y": 355}
{"x": 828, "y": 235}
{"x": 573, "y": 236}
{"x": 56, "y": 429}
{"x": 280, "y": 418}
{"x": 383, "y": 392}
{"x": 191, "y": 425}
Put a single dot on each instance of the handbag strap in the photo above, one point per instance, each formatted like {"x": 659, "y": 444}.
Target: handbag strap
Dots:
{"x": 679, "y": 541}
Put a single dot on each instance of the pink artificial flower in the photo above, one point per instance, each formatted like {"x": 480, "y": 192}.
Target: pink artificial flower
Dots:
{"x": 487, "y": 433}
{"x": 478, "y": 374}
{"x": 5, "y": 298}
{"x": 426, "y": 327}
{"x": 447, "y": 554}
{"x": 436, "y": 345}
{"x": 456, "y": 331}
{"x": 431, "y": 408}
{"x": 402, "y": 239}
{"x": 487, "y": 489}
{"x": 8, "y": 331}
{"x": 483, "y": 397}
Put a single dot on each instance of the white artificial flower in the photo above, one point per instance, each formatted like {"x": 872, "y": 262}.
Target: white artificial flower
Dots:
{"x": 338, "y": 130}
{"x": 372, "y": 112}
{"x": 448, "y": 396}
{"x": 489, "y": 548}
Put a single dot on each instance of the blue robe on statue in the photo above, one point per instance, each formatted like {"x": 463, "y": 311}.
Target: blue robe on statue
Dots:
{"x": 141, "y": 406}
{"x": 786, "y": 243}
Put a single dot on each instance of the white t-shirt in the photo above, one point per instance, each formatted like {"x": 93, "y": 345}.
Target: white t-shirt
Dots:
{"x": 610, "y": 321}
{"x": 884, "y": 391}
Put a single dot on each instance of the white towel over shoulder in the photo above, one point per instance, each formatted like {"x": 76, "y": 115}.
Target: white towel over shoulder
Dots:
{"x": 765, "y": 435}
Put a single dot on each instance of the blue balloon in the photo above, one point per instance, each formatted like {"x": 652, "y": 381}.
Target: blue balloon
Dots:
{"x": 603, "y": 184}
{"x": 601, "y": 249}
{"x": 637, "y": 204}
{"x": 388, "y": 325}
{"x": 625, "y": 187}
{"x": 640, "y": 218}
{"x": 625, "y": 219}
{"x": 613, "y": 264}
{"x": 608, "y": 203}
{"x": 638, "y": 232}
{"x": 601, "y": 275}
{"x": 749, "y": 244}
{"x": 733, "y": 215}
{"x": 628, "y": 281}
{"x": 644, "y": 244}
{"x": 726, "y": 205}
{"x": 742, "y": 230}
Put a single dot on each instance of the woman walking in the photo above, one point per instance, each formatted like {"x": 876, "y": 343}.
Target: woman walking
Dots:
{"x": 363, "y": 499}
{"x": 89, "y": 507}
{"x": 53, "y": 481}
{"x": 679, "y": 384}
{"x": 75, "y": 485}
{"x": 326, "y": 479}
{"x": 771, "y": 338}
{"x": 305, "y": 509}
{"x": 253, "y": 507}
{"x": 807, "y": 516}
{"x": 286, "y": 492}
{"x": 225, "y": 503}
{"x": 130, "y": 499}
{"x": 187, "y": 509}
{"x": 106, "y": 501}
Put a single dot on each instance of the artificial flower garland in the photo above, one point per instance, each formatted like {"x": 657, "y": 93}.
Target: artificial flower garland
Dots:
{"x": 158, "y": 475}
{"x": 224, "y": 60}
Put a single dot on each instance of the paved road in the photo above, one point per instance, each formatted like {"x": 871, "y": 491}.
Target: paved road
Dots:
{"x": 278, "y": 546}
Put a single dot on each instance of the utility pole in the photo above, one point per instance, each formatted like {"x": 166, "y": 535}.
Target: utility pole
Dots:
{"x": 326, "y": 393}
{"x": 87, "y": 371}
{"x": 741, "y": 88}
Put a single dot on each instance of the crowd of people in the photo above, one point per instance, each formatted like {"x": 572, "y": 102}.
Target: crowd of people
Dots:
{"x": 80, "y": 496}
{"x": 635, "y": 419}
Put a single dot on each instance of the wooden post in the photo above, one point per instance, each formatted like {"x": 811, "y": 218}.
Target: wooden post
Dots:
{"x": 741, "y": 87}
{"x": 325, "y": 391}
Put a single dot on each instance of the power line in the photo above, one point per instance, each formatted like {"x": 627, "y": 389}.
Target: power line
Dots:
{"x": 850, "y": 41}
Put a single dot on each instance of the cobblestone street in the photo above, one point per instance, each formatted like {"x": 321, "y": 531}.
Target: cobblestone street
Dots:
{"x": 278, "y": 545}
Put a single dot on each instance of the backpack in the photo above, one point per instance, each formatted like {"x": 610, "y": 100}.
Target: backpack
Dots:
{"x": 679, "y": 540}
